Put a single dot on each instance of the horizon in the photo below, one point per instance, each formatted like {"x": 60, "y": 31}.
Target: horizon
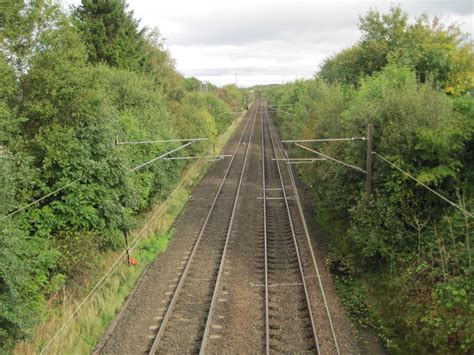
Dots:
{"x": 272, "y": 42}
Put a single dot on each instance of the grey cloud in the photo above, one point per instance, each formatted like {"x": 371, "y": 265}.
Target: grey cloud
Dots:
{"x": 453, "y": 7}
{"x": 292, "y": 22}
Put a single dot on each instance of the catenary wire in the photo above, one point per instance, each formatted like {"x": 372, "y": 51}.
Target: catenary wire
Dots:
{"x": 42, "y": 198}
{"x": 160, "y": 157}
{"x": 333, "y": 159}
{"x": 424, "y": 185}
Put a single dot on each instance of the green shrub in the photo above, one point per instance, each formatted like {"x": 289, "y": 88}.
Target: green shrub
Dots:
{"x": 410, "y": 249}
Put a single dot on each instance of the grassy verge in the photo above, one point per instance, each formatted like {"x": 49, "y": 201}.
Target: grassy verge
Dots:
{"x": 81, "y": 334}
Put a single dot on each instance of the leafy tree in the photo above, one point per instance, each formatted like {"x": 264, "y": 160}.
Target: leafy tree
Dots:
{"x": 344, "y": 67}
{"x": 219, "y": 110}
{"x": 8, "y": 89}
{"x": 192, "y": 84}
{"x": 381, "y": 34}
{"x": 111, "y": 33}
{"x": 437, "y": 54}
{"x": 404, "y": 241}
{"x": 465, "y": 106}
{"x": 25, "y": 266}
{"x": 232, "y": 95}
{"x": 193, "y": 117}
{"x": 161, "y": 66}
{"x": 20, "y": 25}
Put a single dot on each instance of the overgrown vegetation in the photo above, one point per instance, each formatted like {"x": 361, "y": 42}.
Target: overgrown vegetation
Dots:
{"x": 402, "y": 258}
{"x": 152, "y": 232}
{"x": 71, "y": 84}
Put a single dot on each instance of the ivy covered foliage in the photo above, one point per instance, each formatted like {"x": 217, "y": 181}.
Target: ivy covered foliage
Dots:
{"x": 71, "y": 85}
{"x": 405, "y": 250}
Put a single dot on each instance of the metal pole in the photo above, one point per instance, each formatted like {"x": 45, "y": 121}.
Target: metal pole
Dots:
{"x": 128, "y": 249}
{"x": 370, "y": 136}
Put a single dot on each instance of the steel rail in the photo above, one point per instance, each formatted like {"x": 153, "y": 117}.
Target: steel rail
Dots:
{"x": 173, "y": 301}
{"x": 265, "y": 245}
{"x": 210, "y": 313}
{"x": 308, "y": 239}
{"x": 303, "y": 279}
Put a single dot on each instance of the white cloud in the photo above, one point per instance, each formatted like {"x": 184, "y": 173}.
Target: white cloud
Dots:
{"x": 269, "y": 40}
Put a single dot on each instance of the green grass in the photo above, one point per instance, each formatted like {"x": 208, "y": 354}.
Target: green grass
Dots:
{"x": 81, "y": 335}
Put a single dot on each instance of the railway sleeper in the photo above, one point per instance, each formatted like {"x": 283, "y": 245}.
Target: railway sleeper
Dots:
{"x": 283, "y": 260}
{"x": 277, "y": 337}
{"x": 276, "y": 246}
{"x": 281, "y": 266}
{"x": 283, "y": 257}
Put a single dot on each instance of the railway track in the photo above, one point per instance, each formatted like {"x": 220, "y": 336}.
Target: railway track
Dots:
{"x": 237, "y": 319}
{"x": 181, "y": 330}
{"x": 249, "y": 281}
{"x": 280, "y": 265}
{"x": 290, "y": 323}
{"x": 320, "y": 332}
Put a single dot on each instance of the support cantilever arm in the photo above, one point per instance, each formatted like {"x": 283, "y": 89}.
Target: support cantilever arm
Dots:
{"x": 330, "y": 158}
{"x": 160, "y": 157}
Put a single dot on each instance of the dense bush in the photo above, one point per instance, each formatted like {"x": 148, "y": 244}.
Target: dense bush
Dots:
{"x": 70, "y": 87}
{"x": 412, "y": 250}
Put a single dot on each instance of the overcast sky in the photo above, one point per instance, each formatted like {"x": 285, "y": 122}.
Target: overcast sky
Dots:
{"x": 263, "y": 41}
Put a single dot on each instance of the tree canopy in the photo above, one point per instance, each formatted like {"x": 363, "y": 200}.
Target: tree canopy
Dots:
{"x": 111, "y": 34}
{"x": 436, "y": 53}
